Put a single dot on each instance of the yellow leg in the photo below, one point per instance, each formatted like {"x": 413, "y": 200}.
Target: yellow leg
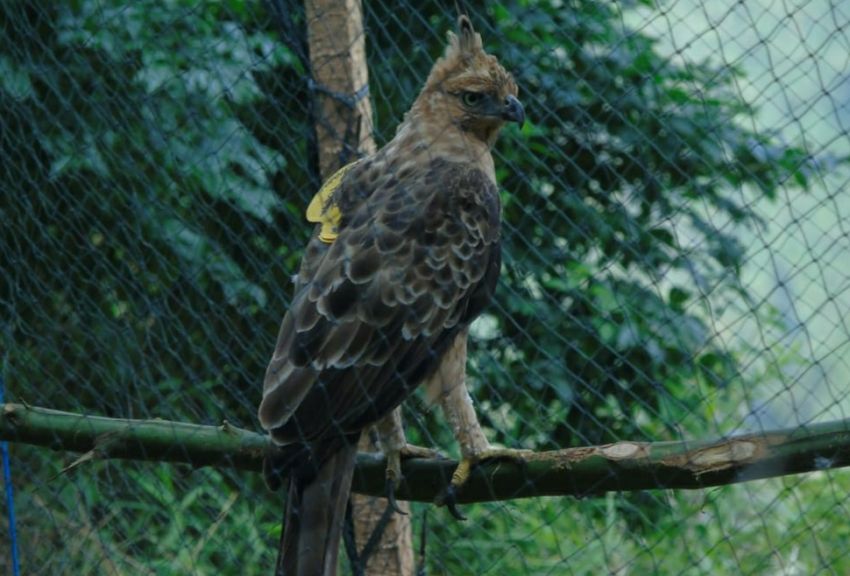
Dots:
{"x": 467, "y": 464}
{"x": 448, "y": 387}
{"x": 465, "y": 467}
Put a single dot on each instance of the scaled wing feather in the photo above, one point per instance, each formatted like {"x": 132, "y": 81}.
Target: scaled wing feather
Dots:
{"x": 386, "y": 298}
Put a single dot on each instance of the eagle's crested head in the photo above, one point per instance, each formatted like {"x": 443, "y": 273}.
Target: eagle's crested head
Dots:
{"x": 472, "y": 87}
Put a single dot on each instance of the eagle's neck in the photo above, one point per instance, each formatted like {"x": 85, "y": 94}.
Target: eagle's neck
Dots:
{"x": 425, "y": 135}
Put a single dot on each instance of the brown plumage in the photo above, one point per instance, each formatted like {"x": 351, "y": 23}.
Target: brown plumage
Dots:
{"x": 413, "y": 258}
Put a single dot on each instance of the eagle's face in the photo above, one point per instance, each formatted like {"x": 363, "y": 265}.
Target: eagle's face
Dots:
{"x": 470, "y": 89}
{"x": 481, "y": 98}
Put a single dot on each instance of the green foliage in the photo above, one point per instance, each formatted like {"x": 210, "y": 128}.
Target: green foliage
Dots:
{"x": 172, "y": 521}
{"x": 623, "y": 222}
{"x": 777, "y": 526}
{"x": 146, "y": 253}
{"x": 143, "y": 202}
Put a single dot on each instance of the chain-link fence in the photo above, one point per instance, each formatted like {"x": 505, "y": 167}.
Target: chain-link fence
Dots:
{"x": 676, "y": 267}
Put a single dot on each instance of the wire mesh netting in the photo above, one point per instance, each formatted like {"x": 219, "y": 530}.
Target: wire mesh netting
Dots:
{"x": 675, "y": 247}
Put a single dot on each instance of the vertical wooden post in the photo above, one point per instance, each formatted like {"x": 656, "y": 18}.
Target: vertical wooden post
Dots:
{"x": 344, "y": 132}
{"x": 340, "y": 82}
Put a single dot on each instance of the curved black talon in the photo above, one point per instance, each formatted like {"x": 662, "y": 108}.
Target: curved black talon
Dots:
{"x": 391, "y": 501}
{"x": 455, "y": 512}
{"x": 449, "y": 498}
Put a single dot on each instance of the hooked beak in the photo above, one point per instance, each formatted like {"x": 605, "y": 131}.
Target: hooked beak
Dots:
{"x": 513, "y": 111}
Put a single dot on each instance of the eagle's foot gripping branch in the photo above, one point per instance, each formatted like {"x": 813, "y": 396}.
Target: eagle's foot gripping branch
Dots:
{"x": 465, "y": 467}
{"x": 394, "y": 459}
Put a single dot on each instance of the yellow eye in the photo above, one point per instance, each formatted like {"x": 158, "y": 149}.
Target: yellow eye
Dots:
{"x": 471, "y": 99}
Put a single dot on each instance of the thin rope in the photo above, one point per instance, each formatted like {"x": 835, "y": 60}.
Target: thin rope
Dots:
{"x": 10, "y": 497}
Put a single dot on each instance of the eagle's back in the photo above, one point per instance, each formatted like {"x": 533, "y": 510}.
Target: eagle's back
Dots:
{"x": 415, "y": 260}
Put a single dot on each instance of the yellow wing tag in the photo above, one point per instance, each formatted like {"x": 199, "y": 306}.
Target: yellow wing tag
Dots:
{"x": 323, "y": 211}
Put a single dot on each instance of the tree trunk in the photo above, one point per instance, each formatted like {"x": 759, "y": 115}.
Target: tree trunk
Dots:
{"x": 344, "y": 132}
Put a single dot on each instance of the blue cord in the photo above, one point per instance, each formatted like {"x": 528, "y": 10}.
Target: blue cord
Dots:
{"x": 10, "y": 497}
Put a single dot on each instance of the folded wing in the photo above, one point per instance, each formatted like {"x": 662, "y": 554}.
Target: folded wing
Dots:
{"x": 373, "y": 313}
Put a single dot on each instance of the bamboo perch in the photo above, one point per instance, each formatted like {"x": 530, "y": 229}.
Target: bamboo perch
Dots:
{"x": 586, "y": 471}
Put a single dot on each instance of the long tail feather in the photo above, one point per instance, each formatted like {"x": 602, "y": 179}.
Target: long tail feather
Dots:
{"x": 315, "y": 510}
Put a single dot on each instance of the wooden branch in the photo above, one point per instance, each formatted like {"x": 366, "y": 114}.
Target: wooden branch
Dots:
{"x": 586, "y": 471}
{"x": 156, "y": 440}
